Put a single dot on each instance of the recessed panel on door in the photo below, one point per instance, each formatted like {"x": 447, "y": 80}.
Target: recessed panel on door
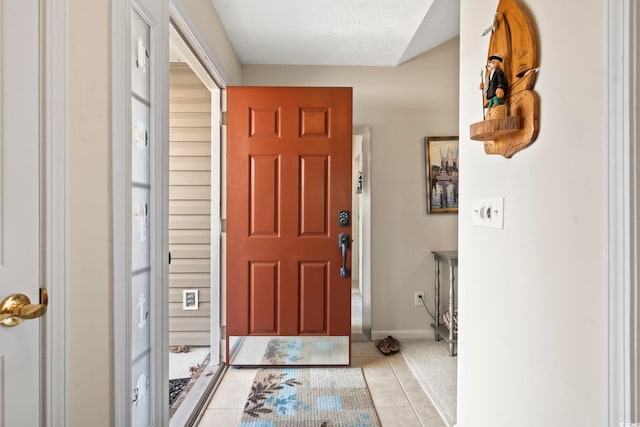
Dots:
{"x": 314, "y": 194}
{"x": 263, "y": 297}
{"x": 264, "y": 208}
{"x": 313, "y": 297}
{"x": 264, "y": 122}
{"x": 314, "y": 122}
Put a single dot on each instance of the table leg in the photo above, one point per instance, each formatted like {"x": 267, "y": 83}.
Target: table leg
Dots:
{"x": 451, "y": 306}
{"x": 437, "y": 295}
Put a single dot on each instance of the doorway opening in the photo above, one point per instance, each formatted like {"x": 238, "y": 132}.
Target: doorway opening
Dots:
{"x": 194, "y": 238}
{"x": 361, "y": 235}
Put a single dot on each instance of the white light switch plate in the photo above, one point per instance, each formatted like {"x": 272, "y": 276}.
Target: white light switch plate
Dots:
{"x": 488, "y": 212}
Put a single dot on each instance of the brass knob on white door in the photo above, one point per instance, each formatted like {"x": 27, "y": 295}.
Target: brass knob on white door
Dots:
{"x": 16, "y": 308}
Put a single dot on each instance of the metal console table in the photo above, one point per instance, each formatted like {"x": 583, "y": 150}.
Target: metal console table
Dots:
{"x": 440, "y": 330}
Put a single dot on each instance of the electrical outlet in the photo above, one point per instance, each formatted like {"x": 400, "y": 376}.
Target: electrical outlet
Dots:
{"x": 418, "y": 297}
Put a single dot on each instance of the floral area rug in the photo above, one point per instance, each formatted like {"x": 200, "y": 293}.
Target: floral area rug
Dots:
{"x": 318, "y": 397}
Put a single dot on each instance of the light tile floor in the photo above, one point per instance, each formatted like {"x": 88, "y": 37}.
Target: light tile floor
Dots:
{"x": 398, "y": 397}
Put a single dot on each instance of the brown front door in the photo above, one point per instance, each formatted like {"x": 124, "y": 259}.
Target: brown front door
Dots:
{"x": 288, "y": 178}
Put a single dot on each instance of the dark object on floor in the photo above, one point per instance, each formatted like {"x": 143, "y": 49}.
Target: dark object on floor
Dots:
{"x": 388, "y": 345}
{"x": 394, "y": 344}
{"x": 383, "y": 346}
{"x": 175, "y": 388}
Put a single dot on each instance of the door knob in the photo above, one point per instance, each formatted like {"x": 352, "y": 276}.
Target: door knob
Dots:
{"x": 16, "y": 308}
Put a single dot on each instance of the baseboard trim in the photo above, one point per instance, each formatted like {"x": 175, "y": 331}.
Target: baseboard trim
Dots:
{"x": 403, "y": 334}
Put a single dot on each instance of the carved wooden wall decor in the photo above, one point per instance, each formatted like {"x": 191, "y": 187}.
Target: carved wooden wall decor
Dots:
{"x": 513, "y": 37}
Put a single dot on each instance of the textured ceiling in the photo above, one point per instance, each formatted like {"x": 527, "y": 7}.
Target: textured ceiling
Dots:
{"x": 336, "y": 32}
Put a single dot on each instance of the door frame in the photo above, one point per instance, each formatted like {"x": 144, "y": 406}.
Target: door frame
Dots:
{"x": 183, "y": 22}
{"x": 205, "y": 65}
{"x": 54, "y": 198}
{"x": 193, "y": 406}
{"x": 196, "y": 65}
{"x": 621, "y": 205}
{"x": 122, "y": 207}
{"x": 208, "y": 64}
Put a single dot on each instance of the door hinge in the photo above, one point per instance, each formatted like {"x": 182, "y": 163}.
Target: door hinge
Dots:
{"x": 223, "y": 225}
{"x": 223, "y": 118}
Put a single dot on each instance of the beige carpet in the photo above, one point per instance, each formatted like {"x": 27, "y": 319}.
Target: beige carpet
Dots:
{"x": 318, "y": 397}
{"x": 436, "y": 371}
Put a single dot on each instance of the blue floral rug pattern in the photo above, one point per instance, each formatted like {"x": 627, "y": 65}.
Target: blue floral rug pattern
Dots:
{"x": 319, "y": 397}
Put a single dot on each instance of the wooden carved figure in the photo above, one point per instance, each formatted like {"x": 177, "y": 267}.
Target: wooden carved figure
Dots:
{"x": 512, "y": 117}
{"x": 494, "y": 87}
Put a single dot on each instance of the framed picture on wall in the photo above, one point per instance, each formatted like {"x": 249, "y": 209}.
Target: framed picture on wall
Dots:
{"x": 189, "y": 299}
{"x": 442, "y": 172}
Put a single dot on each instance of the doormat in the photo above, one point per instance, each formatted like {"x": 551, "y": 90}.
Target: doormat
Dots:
{"x": 318, "y": 397}
{"x": 175, "y": 388}
{"x": 310, "y": 351}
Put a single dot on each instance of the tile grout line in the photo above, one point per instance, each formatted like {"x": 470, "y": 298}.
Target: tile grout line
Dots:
{"x": 364, "y": 375}
{"x": 402, "y": 385}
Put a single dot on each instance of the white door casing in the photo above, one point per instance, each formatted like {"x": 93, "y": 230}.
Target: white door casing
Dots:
{"x": 622, "y": 197}
{"x": 21, "y": 372}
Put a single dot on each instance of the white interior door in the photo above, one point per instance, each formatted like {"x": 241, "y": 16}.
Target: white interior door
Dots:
{"x": 20, "y": 346}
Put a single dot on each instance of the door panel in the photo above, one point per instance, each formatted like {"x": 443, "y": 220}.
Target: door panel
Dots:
{"x": 313, "y": 298}
{"x": 314, "y": 190}
{"x": 263, "y": 297}
{"x": 20, "y": 210}
{"x": 288, "y": 176}
{"x": 264, "y": 210}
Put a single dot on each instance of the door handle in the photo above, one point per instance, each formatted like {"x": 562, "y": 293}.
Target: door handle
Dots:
{"x": 16, "y": 308}
{"x": 343, "y": 244}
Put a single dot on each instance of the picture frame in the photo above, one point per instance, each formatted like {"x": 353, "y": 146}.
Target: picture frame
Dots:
{"x": 442, "y": 173}
{"x": 189, "y": 299}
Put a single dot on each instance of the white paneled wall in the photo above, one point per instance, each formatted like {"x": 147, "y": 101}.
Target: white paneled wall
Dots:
{"x": 189, "y": 206}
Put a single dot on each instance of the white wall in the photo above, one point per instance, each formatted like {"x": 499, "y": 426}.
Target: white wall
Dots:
{"x": 532, "y": 296}
{"x": 90, "y": 308}
{"x": 403, "y": 105}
